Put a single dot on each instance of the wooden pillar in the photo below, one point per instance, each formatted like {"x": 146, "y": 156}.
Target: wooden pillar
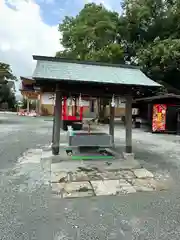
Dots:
{"x": 75, "y": 107}
{"x": 39, "y": 103}
{"x": 53, "y": 126}
{"x": 57, "y": 122}
{"x": 111, "y": 121}
{"x": 28, "y": 101}
{"x": 128, "y": 118}
{"x": 37, "y": 107}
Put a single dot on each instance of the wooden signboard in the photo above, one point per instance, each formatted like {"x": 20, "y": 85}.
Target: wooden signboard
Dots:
{"x": 30, "y": 95}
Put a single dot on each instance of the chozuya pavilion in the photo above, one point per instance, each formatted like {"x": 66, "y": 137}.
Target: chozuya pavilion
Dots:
{"x": 68, "y": 77}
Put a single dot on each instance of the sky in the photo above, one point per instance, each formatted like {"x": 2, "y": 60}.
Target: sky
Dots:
{"x": 30, "y": 27}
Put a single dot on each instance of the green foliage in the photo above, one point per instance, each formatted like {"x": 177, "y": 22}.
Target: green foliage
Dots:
{"x": 151, "y": 31}
{"x": 161, "y": 60}
{"x": 113, "y": 53}
{"x": 161, "y": 56}
{"x": 142, "y": 20}
{"x": 91, "y": 35}
{"x": 24, "y": 103}
{"x": 7, "y": 96}
{"x": 146, "y": 34}
{"x": 6, "y": 72}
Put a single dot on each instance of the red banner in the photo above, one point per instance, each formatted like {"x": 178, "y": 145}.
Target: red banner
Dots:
{"x": 159, "y": 118}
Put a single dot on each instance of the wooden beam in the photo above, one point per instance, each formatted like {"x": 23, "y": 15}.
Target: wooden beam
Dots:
{"x": 111, "y": 121}
{"x": 128, "y": 120}
{"x": 91, "y": 90}
{"x": 57, "y": 122}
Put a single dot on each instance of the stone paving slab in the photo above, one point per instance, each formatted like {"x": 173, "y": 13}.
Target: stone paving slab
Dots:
{"x": 115, "y": 165}
{"x": 77, "y": 186}
{"x": 79, "y": 177}
{"x": 93, "y": 175}
{"x": 128, "y": 174}
{"x": 89, "y": 178}
{"x": 116, "y": 175}
{"x": 150, "y": 184}
{"x": 72, "y": 189}
{"x": 107, "y": 187}
{"x": 57, "y": 177}
{"x": 143, "y": 173}
{"x": 125, "y": 187}
{"x": 80, "y": 180}
{"x": 163, "y": 185}
{"x": 77, "y": 189}
{"x": 143, "y": 185}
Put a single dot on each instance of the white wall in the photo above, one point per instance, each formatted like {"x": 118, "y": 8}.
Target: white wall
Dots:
{"x": 119, "y": 102}
{"x": 45, "y": 99}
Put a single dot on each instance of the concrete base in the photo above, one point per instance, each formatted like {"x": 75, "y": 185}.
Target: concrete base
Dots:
{"x": 95, "y": 139}
{"x": 128, "y": 156}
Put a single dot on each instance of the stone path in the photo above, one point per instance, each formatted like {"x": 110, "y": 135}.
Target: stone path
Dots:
{"x": 88, "y": 182}
{"x": 73, "y": 179}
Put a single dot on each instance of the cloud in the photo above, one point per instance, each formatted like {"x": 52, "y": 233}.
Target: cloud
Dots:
{"x": 23, "y": 33}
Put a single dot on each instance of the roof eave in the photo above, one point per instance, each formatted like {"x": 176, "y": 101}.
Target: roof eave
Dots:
{"x": 26, "y": 78}
{"x": 149, "y": 99}
{"x": 157, "y": 85}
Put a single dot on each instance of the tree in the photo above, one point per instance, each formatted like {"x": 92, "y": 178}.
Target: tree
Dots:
{"x": 161, "y": 61}
{"x": 146, "y": 34}
{"x": 151, "y": 32}
{"x": 6, "y": 95}
{"x": 24, "y": 103}
{"x": 143, "y": 20}
{"x": 91, "y": 35}
{"x": 6, "y": 72}
{"x": 141, "y": 23}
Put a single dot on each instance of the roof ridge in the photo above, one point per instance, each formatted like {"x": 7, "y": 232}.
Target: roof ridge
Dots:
{"x": 76, "y": 61}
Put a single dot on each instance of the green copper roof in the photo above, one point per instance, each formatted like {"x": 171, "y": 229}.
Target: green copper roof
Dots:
{"x": 63, "y": 69}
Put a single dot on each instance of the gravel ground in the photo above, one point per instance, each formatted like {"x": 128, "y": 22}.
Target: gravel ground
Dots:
{"x": 28, "y": 210}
